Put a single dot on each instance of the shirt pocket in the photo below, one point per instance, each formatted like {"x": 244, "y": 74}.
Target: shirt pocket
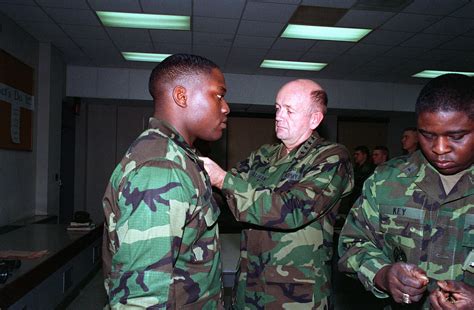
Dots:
{"x": 289, "y": 284}
{"x": 402, "y": 230}
{"x": 468, "y": 249}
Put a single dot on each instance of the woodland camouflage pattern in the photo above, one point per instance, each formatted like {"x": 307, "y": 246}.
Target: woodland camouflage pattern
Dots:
{"x": 404, "y": 207}
{"x": 161, "y": 247}
{"x": 285, "y": 260}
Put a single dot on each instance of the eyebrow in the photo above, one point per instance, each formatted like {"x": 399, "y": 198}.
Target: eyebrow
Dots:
{"x": 451, "y": 132}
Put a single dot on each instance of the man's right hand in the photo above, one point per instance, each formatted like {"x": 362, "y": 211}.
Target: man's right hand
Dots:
{"x": 216, "y": 173}
{"x": 401, "y": 279}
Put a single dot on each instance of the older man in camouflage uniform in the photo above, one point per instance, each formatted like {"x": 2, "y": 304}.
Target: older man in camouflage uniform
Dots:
{"x": 161, "y": 246}
{"x": 290, "y": 192}
{"x": 410, "y": 235}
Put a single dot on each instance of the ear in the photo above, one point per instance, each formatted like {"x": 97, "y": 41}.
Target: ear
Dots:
{"x": 316, "y": 119}
{"x": 179, "y": 96}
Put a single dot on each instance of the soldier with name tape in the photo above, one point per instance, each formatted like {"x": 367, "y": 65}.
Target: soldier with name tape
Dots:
{"x": 410, "y": 236}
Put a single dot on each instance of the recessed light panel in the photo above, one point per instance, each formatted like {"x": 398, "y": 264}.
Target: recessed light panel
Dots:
{"x": 150, "y": 57}
{"x": 294, "y": 31}
{"x": 430, "y": 74}
{"x": 292, "y": 65}
{"x": 144, "y": 21}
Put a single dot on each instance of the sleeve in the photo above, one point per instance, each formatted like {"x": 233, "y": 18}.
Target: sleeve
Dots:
{"x": 361, "y": 242}
{"x": 294, "y": 203}
{"x": 155, "y": 200}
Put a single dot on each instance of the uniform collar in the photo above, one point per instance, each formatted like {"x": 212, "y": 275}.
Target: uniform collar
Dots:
{"x": 166, "y": 130}
{"x": 426, "y": 176}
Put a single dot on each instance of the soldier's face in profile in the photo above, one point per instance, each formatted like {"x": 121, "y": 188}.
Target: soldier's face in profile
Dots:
{"x": 208, "y": 108}
{"x": 447, "y": 140}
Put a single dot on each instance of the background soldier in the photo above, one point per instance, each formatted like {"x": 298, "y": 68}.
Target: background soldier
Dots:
{"x": 415, "y": 221}
{"x": 161, "y": 247}
{"x": 291, "y": 193}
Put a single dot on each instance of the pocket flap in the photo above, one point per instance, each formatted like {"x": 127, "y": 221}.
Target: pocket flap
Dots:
{"x": 289, "y": 274}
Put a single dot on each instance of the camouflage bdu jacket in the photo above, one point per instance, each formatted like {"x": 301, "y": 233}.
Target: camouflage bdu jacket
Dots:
{"x": 285, "y": 260}
{"x": 161, "y": 247}
{"x": 404, "y": 214}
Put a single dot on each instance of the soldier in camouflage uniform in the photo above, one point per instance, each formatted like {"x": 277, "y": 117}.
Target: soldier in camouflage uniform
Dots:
{"x": 414, "y": 223}
{"x": 161, "y": 242}
{"x": 290, "y": 192}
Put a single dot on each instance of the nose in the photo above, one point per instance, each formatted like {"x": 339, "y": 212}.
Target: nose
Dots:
{"x": 225, "y": 107}
{"x": 441, "y": 145}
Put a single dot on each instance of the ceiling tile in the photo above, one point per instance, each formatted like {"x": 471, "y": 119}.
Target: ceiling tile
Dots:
{"x": 284, "y": 55}
{"x": 270, "y": 12}
{"x": 434, "y": 7}
{"x": 319, "y": 57}
{"x": 334, "y": 47}
{"x": 175, "y": 7}
{"x": 169, "y": 48}
{"x": 73, "y": 16}
{"x": 70, "y": 4}
{"x": 253, "y": 42}
{"x": 257, "y": 28}
{"x": 466, "y": 11}
{"x": 217, "y": 54}
{"x": 368, "y": 49}
{"x": 131, "y": 6}
{"x": 342, "y": 4}
{"x": 293, "y": 44}
{"x": 135, "y": 46}
{"x": 211, "y": 39}
{"x": 451, "y": 25}
{"x": 43, "y": 31}
{"x": 460, "y": 43}
{"x": 216, "y": 25}
{"x": 128, "y": 34}
{"x": 171, "y": 36}
{"x": 219, "y": 8}
{"x": 65, "y": 43}
{"x": 364, "y": 19}
{"x": 409, "y": 22}
{"x": 85, "y": 32}
{"x": 25, "y": 13}
{"x": 406, "y": 52}
{"x": 19, "y": 2}
{"x": 384, "y": 37}
{"x": 426, "y": 40}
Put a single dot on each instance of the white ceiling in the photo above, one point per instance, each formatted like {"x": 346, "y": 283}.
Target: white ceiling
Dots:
{"x": 408, "y": 36}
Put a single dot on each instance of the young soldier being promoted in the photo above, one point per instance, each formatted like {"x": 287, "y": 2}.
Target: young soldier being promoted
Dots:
{"x": 290, "y": 192}
{"x": 411, "y": 234}
{"x": 161, "y": 247}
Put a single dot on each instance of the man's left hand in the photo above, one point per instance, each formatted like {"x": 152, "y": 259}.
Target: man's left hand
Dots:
{"x": 452, "y": 295}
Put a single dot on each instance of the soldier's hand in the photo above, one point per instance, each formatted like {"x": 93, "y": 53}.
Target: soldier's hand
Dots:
{"x": 452, "y": 295}
{"x": 406, "y": 283}
{"x": 216, "y": 174}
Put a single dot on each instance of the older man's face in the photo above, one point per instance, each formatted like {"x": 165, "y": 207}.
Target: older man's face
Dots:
{"x": 293, "y": 115}
{"x": 447, "y": 140}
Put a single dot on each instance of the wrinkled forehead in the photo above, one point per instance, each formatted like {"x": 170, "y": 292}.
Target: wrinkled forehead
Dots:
{"x": 296, "y": 94}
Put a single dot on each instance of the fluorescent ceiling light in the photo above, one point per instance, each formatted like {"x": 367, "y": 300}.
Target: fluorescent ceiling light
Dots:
{"x": 151, "y": 57}
{"x": 435, "y": 73}
{"x": 294, "y": 31}
{"x": 145, "y": 21}
{"x": 292, "y": 65}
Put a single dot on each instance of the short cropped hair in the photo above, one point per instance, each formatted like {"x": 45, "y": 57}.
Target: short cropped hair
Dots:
{"x": 410, "y": 129}
{"x": 449, "y": 92}
{"x": 320, "y": 100}
{"x": 382, "y": 148}
{"x": 178, "y": 66}
{"x": 364, "y": 149}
